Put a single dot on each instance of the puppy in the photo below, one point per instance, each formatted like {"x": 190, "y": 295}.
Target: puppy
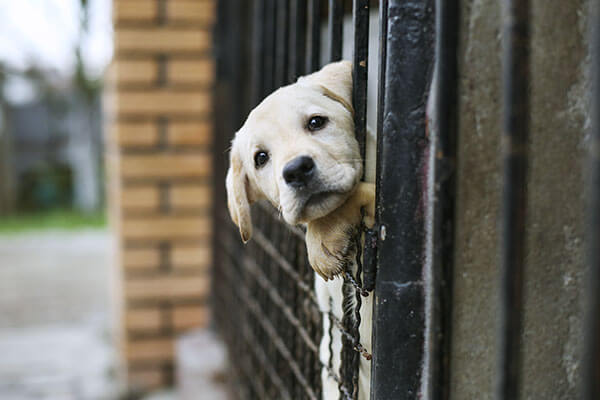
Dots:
{"x": 297, "y": 150}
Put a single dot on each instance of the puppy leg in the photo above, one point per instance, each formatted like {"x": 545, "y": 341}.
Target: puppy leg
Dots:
{"x": 330, "y": 240}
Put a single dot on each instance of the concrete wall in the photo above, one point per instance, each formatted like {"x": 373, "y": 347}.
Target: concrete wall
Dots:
{"x": 552, "y": 331}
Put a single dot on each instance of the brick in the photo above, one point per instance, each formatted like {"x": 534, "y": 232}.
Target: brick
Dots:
{"x": 136, "y": 134}
{"x": 140, "y": 198}
{"x": 167, "y": 287}
{"x": 160, "y": 102}
{"x": 162, "y": 40}
{"x": 190, "y": 196}
{"x": 166, "y": 165}
{"x": 148, "y": 378}
{"x": 150, "y": 349}
{"x": 191, "y": 10}
{"x": 191, "y": 71}
{"x": 189, "y": 133}
{"x": 191, "y": 256}
{"x": 166, "y": 227}
{"x": 136, "y": 71}
{"x": 188, "y": 317}
{"x": 141, "y": 258}
{"x": 147, "y": 319}
{"x": 137, "y": 10}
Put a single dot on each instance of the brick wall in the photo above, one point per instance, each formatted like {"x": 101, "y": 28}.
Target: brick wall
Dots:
{"x": 159, "y": 102}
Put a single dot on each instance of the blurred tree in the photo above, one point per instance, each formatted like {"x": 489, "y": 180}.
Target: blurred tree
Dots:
{"x": 7, "y": 195}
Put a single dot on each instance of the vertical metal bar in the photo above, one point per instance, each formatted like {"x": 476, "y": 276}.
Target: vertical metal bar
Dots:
{"x": 445, "y": 120}
{"x": 336, "y": 29}
{"x": 270, "y": 50}
{"x": 514, "y": 153}
{"x": 313, "y": 46}
{"x": 258, "y": 50}
{"x": 360, "y": 20}
{"x": 591, "y": 366}
{"x": 281, "y": 39}
{"x": 297, "y": 39}
{"x": 399, "y": 320}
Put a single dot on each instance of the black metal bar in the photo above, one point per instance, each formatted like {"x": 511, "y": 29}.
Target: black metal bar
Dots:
{"x": 258, "y": 51}
{"x": 336, "y": 29}
{"x": 297, "y": 39}
{"x": 399, "y": 320}
{"x": 270, "y": 49}
{"x": 514, "y": 153}
{"x": 591, "y": 361}
{"x": 445, "y": 119}
{"x": 360, "y": 59}
{"x": 313, "y": 44}
{"x": 282, "y": 45}
{"x": 352, "y": 290}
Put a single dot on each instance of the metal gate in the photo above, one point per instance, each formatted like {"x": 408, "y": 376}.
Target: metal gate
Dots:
{"x": 263, "y": 292}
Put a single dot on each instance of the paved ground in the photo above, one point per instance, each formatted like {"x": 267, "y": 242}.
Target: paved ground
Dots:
{"x": 55, "y": 343}
{"x": 54, "y": 317}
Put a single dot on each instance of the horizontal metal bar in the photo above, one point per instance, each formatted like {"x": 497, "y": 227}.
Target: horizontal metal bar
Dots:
{"x": 265, "y": 363}
{"x": 270, "y": 330}
{"x": 264, "y": 282}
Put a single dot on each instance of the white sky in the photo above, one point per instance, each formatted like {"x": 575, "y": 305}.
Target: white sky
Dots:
{"x": 45, "y": 33}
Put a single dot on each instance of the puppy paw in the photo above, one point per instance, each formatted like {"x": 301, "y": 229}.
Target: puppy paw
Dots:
{"x": 330, "y": 247}
{"x": 331, "y": 240}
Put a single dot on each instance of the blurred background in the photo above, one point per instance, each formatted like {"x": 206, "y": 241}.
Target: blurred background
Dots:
{"x": 105, "y": 116}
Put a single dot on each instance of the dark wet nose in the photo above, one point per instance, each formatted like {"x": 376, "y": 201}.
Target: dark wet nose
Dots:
{"x": 298, "y": 172}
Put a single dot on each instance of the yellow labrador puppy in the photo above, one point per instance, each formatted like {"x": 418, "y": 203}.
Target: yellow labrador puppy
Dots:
{"x": 297, "y": 150}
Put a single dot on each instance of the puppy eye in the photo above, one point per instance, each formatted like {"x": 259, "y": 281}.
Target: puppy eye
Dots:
{"x": 315, "y": 123}
{"x": 260, "y": 158}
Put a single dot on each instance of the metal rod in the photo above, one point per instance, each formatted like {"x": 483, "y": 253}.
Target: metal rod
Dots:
{"x": 297, "y": 39}
{"x": 313, "y": 49}
{"x": 514, "y": 153}
{"x": 360, "y": 59}
{"x": 281, "y": 40}
{"x": 270, "y": 49}
{"x": 399, "y": 321}
{"x": 591, "y": 362}
{"x": 258, "y": 51}
{"x": 336, "y": 29}
{"x": 445, "y": 117}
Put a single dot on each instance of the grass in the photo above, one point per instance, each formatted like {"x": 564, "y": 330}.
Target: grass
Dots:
{"x": 56, "y": 219}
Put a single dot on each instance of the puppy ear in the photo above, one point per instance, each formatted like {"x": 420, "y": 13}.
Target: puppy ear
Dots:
{"x": 237, "y": 197}
{"x": 336, "y": 80}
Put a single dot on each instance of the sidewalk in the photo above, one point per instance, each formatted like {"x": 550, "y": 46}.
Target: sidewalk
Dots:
{"x": 54, "y": 317}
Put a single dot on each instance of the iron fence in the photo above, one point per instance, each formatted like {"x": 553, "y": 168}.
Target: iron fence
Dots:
{"x": 265, "y": 305}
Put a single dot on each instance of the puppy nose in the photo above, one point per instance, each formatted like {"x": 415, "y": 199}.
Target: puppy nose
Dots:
{"x": 299, "y": 171}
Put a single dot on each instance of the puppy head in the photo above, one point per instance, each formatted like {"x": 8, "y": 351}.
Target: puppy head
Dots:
{"x": 297, "y": 149}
